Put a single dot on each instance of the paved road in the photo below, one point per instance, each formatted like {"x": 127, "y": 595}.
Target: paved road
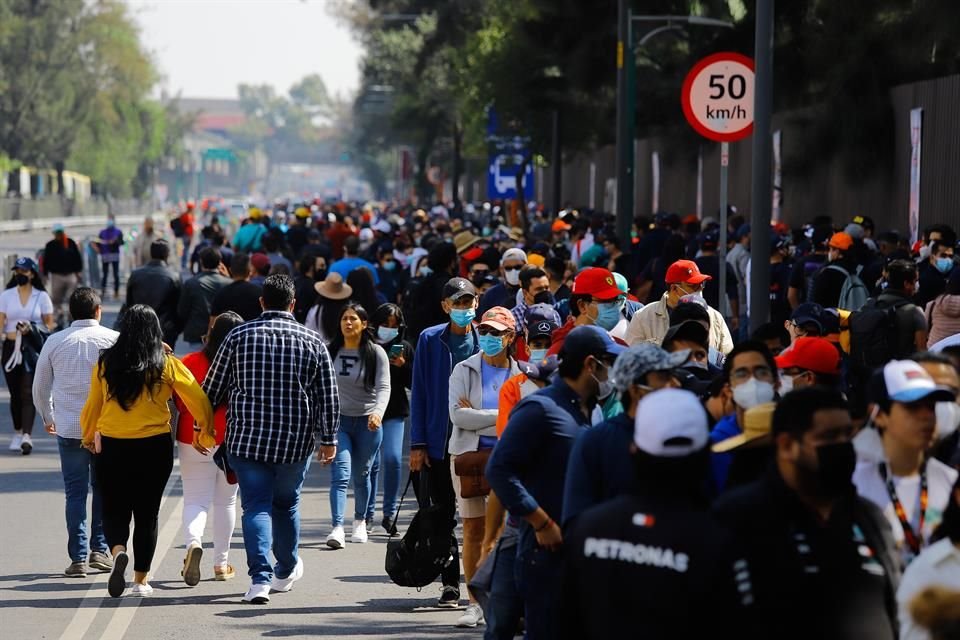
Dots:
{"x": 344, "y": 594}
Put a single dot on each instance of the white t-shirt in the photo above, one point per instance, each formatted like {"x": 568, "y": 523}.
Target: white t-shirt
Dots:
{"x": 38, "y": 305}
{"x": 940, "y": 478}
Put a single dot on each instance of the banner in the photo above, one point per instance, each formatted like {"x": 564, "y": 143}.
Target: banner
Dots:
{"x": 777, "y": 176}
{"x": 916, "y": 139}
{"x": 655, "y": 167}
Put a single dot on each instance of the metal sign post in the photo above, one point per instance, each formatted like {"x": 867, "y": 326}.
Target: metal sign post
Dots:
{"x": 722, "y": 248}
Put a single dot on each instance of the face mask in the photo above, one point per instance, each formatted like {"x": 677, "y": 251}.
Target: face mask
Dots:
{"x": 948, "y": 418}
{"x": 491, "y": 345}
{"x": 544, "y": 297}
{"x": 386, "y": 334}
{"x": 536, "y": 355}
{"x": 389, "y": 265}
{"x": 478, "y": 280}
{"x": 751, "y": 393}
{"x": 463, "y": 317}
{"x": 608, "y": 315}
{"x": 944, "y": 265}
{"x": 786, "y": 384}
{"x": 695, "y": 364}
{"x": 110, "y": 224}
{"x": 512, "y": 276}
{"x": 320, "y": 275}
{"x": 21, "y": 279}
{"x": 425, "y": 270}
{"x": 831, "y": 478}
{"x": 606, "y": 387}
{"x": 693, "y": 295}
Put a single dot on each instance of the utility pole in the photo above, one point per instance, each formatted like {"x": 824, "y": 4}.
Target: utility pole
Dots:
{"x": 760, "y": 199}
{"x": 624, "y": 159}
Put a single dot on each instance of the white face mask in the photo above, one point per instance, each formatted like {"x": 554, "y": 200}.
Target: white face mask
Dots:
{"x": 512, "y": 276}
{"x": 786, "y": 384}
{"x": 948, "y": 418}
{"x": 751, "y": 393}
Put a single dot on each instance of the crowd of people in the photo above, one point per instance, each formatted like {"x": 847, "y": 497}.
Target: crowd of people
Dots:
{"x": 618, "y": 439}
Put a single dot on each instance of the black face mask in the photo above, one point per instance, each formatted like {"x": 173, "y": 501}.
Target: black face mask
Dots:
{"x": 831, "y": 478}
{"x": 478, "y": 280}
{"x": 21, "y": 279}
{"x": 320, "y": 275}
{"x": 544, "y": 297}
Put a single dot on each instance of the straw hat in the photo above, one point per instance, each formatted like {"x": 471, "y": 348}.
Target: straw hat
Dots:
{"x": 757, "y": 429}
{"x": 464, "y": 240}
{"x": 333, "y": 287}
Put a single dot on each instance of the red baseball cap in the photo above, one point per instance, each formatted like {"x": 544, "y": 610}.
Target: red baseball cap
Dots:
{"x": 811, "y": 354}
{"x": 500, "y": 318}
{"x": 597, "y": 282}
{"x": 687, "y": 272}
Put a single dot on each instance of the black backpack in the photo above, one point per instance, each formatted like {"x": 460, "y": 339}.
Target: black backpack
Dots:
{"x": 428, "y": 546}
{"x": 874, "y": 335}
{"x": 176, "y": 225}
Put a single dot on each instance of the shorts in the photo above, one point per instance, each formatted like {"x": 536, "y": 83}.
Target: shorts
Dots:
{"x": 467, "y": 507}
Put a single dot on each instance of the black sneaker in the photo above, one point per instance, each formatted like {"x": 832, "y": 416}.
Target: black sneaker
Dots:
{"x": 118, "y": 579}
{"x": 449, "y": 598}
{"x": 389, "y": 527}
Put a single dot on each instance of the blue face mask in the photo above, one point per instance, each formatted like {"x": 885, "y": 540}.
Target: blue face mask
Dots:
{"x": 536, "y": 355}
{"x": 944, "y": 265}
{"x": 390, "y": 265}
{"x": 386, "y": 334}
{"x": 425, "y": 270}
{"x": 463, "y": 317}
{"x": 608, "y": 315}
{"x": 491, "y": 345}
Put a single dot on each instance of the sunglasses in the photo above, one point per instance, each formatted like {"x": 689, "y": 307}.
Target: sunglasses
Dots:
{"x": 490, "y": 331}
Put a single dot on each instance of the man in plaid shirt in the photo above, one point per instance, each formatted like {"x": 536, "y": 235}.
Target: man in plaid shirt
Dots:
{"x": 278, "y": 382}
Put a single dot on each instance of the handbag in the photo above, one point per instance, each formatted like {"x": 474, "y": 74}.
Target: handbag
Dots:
{"x": 220, "y": 459}
{"x": 428, "y": 545}
{"x": 471, "y": 468}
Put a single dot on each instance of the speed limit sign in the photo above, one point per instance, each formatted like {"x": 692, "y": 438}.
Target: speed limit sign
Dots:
{"x": 718, "y": 97}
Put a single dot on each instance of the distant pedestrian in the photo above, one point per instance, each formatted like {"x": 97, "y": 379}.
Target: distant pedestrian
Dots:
{"x": 60, "y": 389}
{"x": 108, "y": 245}
{"x": 63, "y": 266}
{"x": 196, "y": 297}
{"x": 157, "y": 286}
{"x": 240, "y": 296}
{"x": 141, "y": 247}
{"x": 204, "y": 484}
{"x": 126, "y": 422}
{"x": 26, "y": 313}
{"x": 278, "y": 380}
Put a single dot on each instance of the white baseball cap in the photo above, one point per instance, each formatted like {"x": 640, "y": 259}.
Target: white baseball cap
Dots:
{"x": 514, "y": 254}
{"x": 670, "y": 423}
{"x": 906, "y": 381}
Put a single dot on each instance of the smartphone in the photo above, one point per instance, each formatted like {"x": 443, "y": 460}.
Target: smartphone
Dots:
{"x": 396, "y": 351}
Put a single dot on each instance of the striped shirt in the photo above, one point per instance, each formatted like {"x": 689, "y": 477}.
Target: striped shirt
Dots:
{"x": 62, "y": 379}
{"x": 277, "y": 380}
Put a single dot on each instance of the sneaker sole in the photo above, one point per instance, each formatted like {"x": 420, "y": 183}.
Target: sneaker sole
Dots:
{"x": 223, "y": 577}
{"x": 334, "y": 544}
{"x": 448, "y": 605}
{"x": 257, "y": 600}
{"x": 358, "y": 540}
{"x": 25, "y": 449}
{"x": 191, "y": 571}
{"x": 118, "y": 581}
{"x": 74, "y": 575}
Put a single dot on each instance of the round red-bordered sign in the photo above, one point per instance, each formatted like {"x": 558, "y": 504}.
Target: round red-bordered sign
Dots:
{"x": 717, "y": 97}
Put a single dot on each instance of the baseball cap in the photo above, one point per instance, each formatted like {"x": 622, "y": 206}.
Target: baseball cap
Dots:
{"x": 670, "y": 423}
{"x": 456, "y": 288}
{"x": 589, "y": 340}
{"x": 559, "y": 225}
{"x": 541, "y": 370}
{"x": 499, "y": 318}
{"x": 808, "y": 313}
{"x": 686, "y": 272}
{"x": 757, "y": 429}
{"x": 382, "y": 226}
{"x": 811, "y": 354}
{"x": 854, "y": 230}
{"x": 709, "y": 239}
{"x": 841, "y": 240}
{"x": 742, "y": 230}
{"x": 540, "y": 320}
{"x": 259, "y": 261}
{"x": 688, "y": 331}
{"x": 640, "y": 359}
{"x": 25, "y": 263}
{"x": 906, "y": 381}
{"x": 58, "y": 228}
{"x": 514, "y": 254}
{"x": 597, "y": 282}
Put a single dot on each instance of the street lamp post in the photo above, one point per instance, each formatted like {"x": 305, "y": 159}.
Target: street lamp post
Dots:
{"x": 626, "y": 99}
{"x": 760, "y": 198}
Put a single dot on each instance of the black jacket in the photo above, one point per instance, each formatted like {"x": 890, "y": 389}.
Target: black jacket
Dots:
{"x": 157, "y": 286}
{"x": 196, "y": 298}
{"x": 62, "y": 260}
{"x": 401, "y": 379}
{"x": 811, "y": 579}
{"x": 661, "y": 566}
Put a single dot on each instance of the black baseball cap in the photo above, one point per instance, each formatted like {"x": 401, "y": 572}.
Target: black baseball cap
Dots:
{"x": 688, "y": 331}
{"x": 589, "y": 340}
{"x": 457, "y": 288}
{"x": 540, "y": 320}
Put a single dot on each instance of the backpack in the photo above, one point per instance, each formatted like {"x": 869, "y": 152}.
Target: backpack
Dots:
{"x": 176, "y": 225}
{"x": 427, "y": 547}
{"x": 810, "y": 270}
{"x": 854, "y": 293}
{"x": 874, "y": 335}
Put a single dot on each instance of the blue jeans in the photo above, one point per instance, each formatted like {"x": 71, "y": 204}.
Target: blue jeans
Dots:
{"x": 270, "y": 495}
{"x": 390, "y": 459}
{"x": 76, "y": 464}
{"x": 357, "y": 448}
{"x": 504, "y": 604}
{"x": 538, "y": 574}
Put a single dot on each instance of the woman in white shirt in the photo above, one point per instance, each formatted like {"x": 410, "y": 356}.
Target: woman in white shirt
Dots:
{"x": 26, "y": 313}
{"x": 938, "y": 565}
{"x": 324, "y": 316}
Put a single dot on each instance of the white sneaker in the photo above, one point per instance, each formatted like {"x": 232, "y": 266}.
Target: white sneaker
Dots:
{"x": 257, "y": 594}
{"x": 337, "y": 538}
{"x": 15, "y": 442}
{"x": 359, "y": 531}
{"x": 285, "y": 584}
{"x": 26, "y": 444}
{"x": 141, "y": 590}
{"x": 472, "y": 616}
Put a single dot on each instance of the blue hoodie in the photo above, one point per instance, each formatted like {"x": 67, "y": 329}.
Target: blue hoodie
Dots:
{"x": 429, "y": 404}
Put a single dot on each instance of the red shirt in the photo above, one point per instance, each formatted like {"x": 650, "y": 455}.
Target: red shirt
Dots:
{"x": 198, "y": 365}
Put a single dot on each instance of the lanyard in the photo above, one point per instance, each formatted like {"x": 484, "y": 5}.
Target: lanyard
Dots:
{"x": 913, "y": 539}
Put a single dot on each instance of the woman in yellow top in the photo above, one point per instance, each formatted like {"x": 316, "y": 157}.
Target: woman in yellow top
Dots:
{"x": 126, "y": 422}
